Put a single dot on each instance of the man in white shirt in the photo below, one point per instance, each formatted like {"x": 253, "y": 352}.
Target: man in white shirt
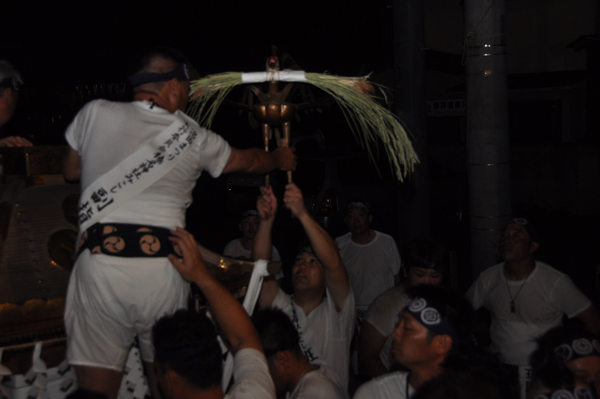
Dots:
{"x": 371, "y": 257}
{"x": 122, "y": 281}
{"x": 526, "y": 297}
{"x": 424, "y": 262}
{"x": 433, "y": 324}
{"x": 292, "y": 373}
{"x": 322, "y": 306}
{"x": 188, "y": 355}
{"x": 241, "y": 248}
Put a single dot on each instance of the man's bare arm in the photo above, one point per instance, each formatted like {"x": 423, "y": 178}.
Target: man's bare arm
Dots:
{"x": 227, "y": 311}
{"x": 254, "y": 160}
{"x": 72, "y": 166}
{"x": 261, "y": 246}
{"x": 326, "y": 251}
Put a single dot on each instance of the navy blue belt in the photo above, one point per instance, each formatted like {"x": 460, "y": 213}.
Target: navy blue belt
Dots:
{"x": 128, "y": 241}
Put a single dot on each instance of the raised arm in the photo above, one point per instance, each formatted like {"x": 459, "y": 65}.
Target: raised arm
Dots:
{"x": 261, "y": 246}
{"x": 227, "y": 311}
{"x": 336, "y": 278}
{"x": 254, "y": 160}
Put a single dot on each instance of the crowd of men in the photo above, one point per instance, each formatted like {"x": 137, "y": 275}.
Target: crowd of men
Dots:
{"x": 414, "y": 338}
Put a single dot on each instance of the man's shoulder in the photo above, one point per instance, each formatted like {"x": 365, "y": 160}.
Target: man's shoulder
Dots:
{"x": 548, "y": 270}
{"x": 490, "y": 272}
{"x": 343, "y": 239}
{"x": 391, "y": 385}
{"x": 384, "y": 238}
{"x": 321, "y": 383}
{"x": 232, "y": 243}
{"x": 390, "y": 296}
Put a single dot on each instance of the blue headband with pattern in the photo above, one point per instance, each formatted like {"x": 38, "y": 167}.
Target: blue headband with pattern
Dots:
{"x": 431, "y": 318}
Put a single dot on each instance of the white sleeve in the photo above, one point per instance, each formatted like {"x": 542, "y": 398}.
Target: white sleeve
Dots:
{"x": 275, "y": 257}
{"x": 252, "y": 378}
{"x": 215, "y": 151}
{"x": 568, "y": 298}
{"x": 476, "y": 294}
{"x": 75, "y": 132}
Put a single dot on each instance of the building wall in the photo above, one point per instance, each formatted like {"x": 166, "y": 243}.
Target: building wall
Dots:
{"x": 537, "y": 31}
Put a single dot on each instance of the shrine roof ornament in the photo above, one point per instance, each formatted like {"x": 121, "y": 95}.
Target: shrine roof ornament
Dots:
{"x": 368, "y": 120}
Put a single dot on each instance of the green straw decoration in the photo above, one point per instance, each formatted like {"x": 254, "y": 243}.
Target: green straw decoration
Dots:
{"x": 368, "y": 120}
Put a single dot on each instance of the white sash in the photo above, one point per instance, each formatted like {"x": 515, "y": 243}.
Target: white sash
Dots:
{"x": 252, "y": 292}
{"x": 307, "y": 341}
{"x": 137, "y": 172}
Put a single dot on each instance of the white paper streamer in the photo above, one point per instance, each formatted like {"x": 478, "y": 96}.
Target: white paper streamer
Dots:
{"x": 281, "y": 76}
{"x": 252, "y": 293}
{"x": 3, "y": 369}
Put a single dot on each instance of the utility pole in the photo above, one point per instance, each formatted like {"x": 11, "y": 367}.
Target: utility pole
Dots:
{"x": 409, "y": 70}
{"x": 487, "y": 130}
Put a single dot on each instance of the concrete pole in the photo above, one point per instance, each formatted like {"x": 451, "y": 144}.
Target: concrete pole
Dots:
{"x": 409, "y": 60}
{"x": 487, "y": 130}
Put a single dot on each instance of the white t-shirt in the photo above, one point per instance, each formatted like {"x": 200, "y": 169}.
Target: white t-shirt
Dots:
{"x": 323, "y": 383}
{"x": 543, "y": 298}
{"x": 371, "y": 267}
{"x": 236, "y": 250}
{"x": 331, "y": 331}
{"x": 105, "y": 133}
{"x": 251, "y": 375}
{"x": 388, "y": 386}
{"x": 383, "y": 315}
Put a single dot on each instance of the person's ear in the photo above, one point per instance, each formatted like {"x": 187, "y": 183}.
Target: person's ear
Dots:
{"x": 282, "y": 360}
{"x": 370, "y": 219}
{"x": 404, "y": 271}
{"x": 442, "y": 344}
{"x": 7, "y": 94}
{"x": 534, "y": 247}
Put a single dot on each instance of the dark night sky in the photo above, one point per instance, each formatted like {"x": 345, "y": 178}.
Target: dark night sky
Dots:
{"x": 93, "y": 41}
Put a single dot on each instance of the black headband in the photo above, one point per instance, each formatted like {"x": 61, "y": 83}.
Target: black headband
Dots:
{"x": 181, "y": 73}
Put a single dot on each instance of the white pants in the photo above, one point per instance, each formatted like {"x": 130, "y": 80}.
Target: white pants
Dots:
{"x": 111, "y": 300}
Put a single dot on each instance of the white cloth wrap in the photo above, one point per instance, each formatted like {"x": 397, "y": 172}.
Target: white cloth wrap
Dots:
{"x": 258, "y": 273}
{"x": 281, "y": 76}
{"x": 110, "y": 183}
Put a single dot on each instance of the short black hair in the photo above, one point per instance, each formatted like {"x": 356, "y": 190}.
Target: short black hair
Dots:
{"x": 427, "y": 253}
{"x": 546, "y": 366}
{"x": 144, "y": 61}
{"x": 186, "y": 343}
{"x": 276, "y": 330}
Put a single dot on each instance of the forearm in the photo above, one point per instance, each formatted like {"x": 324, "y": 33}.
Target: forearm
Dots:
{"x": 72, "y": 166}
{"x": 323, "y": 245}
{"x": 261, "y": 246}
{"x": 229, "y": 314}
{"x": 254, "y": 160}
{"x": 336, "y": 277}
